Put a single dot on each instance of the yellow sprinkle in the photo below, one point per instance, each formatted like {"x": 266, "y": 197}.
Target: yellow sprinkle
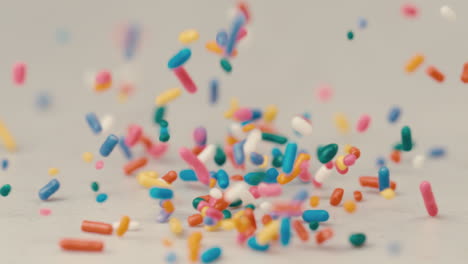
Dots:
{"x": 342, "y": 123}
{"x": 349, "y": 206}
{"x": 227, "y": 224}
{"x": 414, "y": 63}
{"x": 213, "y": 47}
{"x": 53, "y": 171}
{"x": 234, "y": 105}
{"x": 87, "y": 156}
{"x": 340, "y": 163}
{"x": 176, "y": 226}
{"x": 188, "y": 36}
{"x": 314, "y": 201}
{"x": 237, "y": 215}
{"x": 194, "y": 238}
{"x": 7, "y": 138}
{"x": 150, "y": 179}
{"x": 203, "y": 211}
{"x": 268, "y": 232}
{"x": 248, "y": 127}
{"x": 265, "y": 162}
{"x": 168, "y": 96}
{"x": 347, "y": 148}
{"x": 212, "y": 183}
{"x": 270, "y": 113}
{"x": 388, "y": 194}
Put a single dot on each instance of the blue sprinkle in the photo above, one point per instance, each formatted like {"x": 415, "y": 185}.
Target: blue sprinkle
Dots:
{"x": 256, "y": 158}
{"x": 93, "y": 122}
{"x": 209, "y": 221}
{"x": 285, "y": 231}
{"x": 43, "y": 101}
{"x": 163, "y": 216}
{"x": 222, "y": 38}
{"x": 362, "y": 23}
{"x": 161, "y": 193}
{"x": 102, "y": 197}
{"x": 394, "y": 114}
{"x": 214, "y": 90}
{"x": 188, "y": 175}
{"x": 301, "y": 196}
{"x": 125, "y": 149}
{"x": 384, "y": 178}
{"x": 276, "y": 152}
{"x": 171, "y": 258}
{"x": 380, "y": 162}
{"x": 62, "y": 36}
{"x": 252, "y": 243}
{"x": 131, "y": 40}
{"x": 5, "y": 164}
{"x": 237, "y": 24}
{"x": 211, "y": 254}
{"x": 180, "y": 58}
{"x": 315, "y": 216}
{"x": 436, "y": 152}
{"x": 108, "y": 145}
{"x": 271, "y": 175}
{"x": 49, "y": 189}
{"x": 223, "y": 179}
{"x": 238, "y": 150}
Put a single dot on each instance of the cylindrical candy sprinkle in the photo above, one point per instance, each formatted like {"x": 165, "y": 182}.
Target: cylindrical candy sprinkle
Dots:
{"x": 81, "y": 244}
{"x": 211, "y": 254}
{"x": 214, "y": 91}
{"x": 254, "y": 178}
{"x": 315, "y": 215}
{"x": 406, "y": 138}
{"x": 349, "y": 206}
{"x": 134, "y": 165}
{"x": 200, "y": 169}
{"x": 274, "y": 138}
{"x": 19, "y": 73}
{"x": 168, "y": 96}
{"x": 123, "y": 226}
{"x": 222, "y": 38}
{"x": 314, "y": 201}
{"x": 185, "y": 79}
{"x": 414, "y": 63}
{"x": 357, "y": 196}
{"x": 322, "y": 174}
{"x": 102, "y": 197}
{"x": 256, "y": 159}
{"x": 5, "y": 190}
{"x": 159, "y": 114}
{"x": 93, "y": 123}
{"x": 95, "y": 186}
{"x": 373, "y": 182}
{"x": 384, "y": 178}
{"x": 336, "y": 196}
{"x": 195, "y": 219}
{"x": 237, "y": 24}
{"x": 176, "y": 226}
{"x": 188, "y": 175}
{"x": 49, "y": 189}
{"x": 269, "y": 190}
{"x": 7, "y": 138}
{"x": 327, "y": 153}
{"x": 323, "y": 235}
{"x": 285, "y": 231}
{"x": 428, "y": 197}
{"x": 394, "y": 114}
{"x": 300, "y": 230}
{"x": 289, "y": 157}
{"x": 96, "y": 227}
{"x": 363, "y": 123}
{"x": 238, "y": 151}
{"x": 268, "y": 232}
{"x": 188, "y": 36}
{"x": 435, "y": 74}
{"x": 357, "y": 239}
{"x": 436, "y": 152}
{"x": 464, "y": 74}
{"x": 225, "y": 65}
{"x": 388, "y": 194}
{"x": 200, "y": 136}
{"x": 301, "y": 125}
{"x": 341, "y": 123}
{"x": 131, "y": 41}
{"x": 125, "y": 149}
{"x": 108, "y": 145}
{"x": 161, "y": 193}
{"x": 180, "y": 58}
{"x": 103, "y": 81}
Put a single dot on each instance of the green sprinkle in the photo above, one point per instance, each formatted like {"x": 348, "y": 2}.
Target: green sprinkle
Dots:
{"x": 95, "y": 186}
{"x": 163, "y": 123}
{"x": 274, "y": 138}
{"x": 398, "y": 146}
{"x": 277, "y": 161}
{"x": 406, "y": 139}
{"x": 350, "y": 35}
{"x": 226, "y": 65}
{"x": 5, "y": 190}
{"x": 313, "y": 225}
{"x": 327, "y": 153}
{"x": 196, "y": 201}
{"x": 357, "y": 239}
{"x": 164, "y": 137}
{"x": 236, "y": 203}
{"x": 220, "y": 157}
{"x": 159, "y": 114}
{"x": 251, "y": 206}
{"x": 227, "y": 214}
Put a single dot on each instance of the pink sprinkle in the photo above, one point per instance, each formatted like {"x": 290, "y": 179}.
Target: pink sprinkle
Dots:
{"x": 254, "y": 190}
{"x": 324, "y": 93}
{"x": 185, "y": 79}
{"x": 243, "y": 114}
{"x": 200, "y": 169}
{"x": 202, "y": 204}
{"x": 103, "y": 77}
{"x": 269, "y": 190}
{"x": 428, "y": 197}
{"x": 99, "y": 165}
{"x": 19, "y": 73}
{"x": 199, "y": 135}
{"x": 241, "y": 238}
{"x": 409, "y": 10}
{"x": 45, "y": 211}
{"x": 342, "y": 172}
{"x": 349, "y": 160}
{"x": 329, "y": 165}
{"x": 305, "y": 176}
{"x": 158, "y": 150}
{"x": 316, "y": 183}
{"x": 242, "y": 33}
{"x": 363, "y": 123}
{"x": 214, "y": 213}
{"x": 134, "y": 134}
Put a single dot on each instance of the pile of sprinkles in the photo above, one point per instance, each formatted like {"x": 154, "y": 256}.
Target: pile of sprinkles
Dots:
{"x": 247, "y": 202}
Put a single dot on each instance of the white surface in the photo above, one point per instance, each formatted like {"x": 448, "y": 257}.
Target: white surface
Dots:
{"x": 296, "y": 46}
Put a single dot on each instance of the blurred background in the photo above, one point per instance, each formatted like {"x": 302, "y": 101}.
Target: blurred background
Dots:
{"x": 291, "y": 49}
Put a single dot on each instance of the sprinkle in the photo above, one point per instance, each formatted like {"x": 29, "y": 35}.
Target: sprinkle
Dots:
{"x": 448, "y": 13}
{"x": 43, "y": 100}
{"x": 106, "y": 122}
{"x": 45, "y": 211}
{"x": 185, "y": 79}
{"x": 168, "y": 96}
{"x": 93, "y": 123}
{"x": 188, "y": 36}
{"x": 362, "y": 23}
{"x": 464, "y": 74}
{"x": 327, "y": 153}
{"x": 102, "y": 197}
{"x": 53, "y": 171}
{"x": 81, "y": 244}
{"x": 179, "y": 59}
{"x": 99, "y": 164}
{"x": 108, "y": 145}
{"x": 435, "y": 74}
{"x": 214, "y": 91}
{"x": 19, "y": 73}
{"x": 341, "y": 123}
{"x": 87, "y": 157}
{"x": 5, "y": 190}
{"x": 95, "y": 186}
{"x": 336, "y": 196}
{"x": 409, "y": 11}
{"x": 350, "y": 35}
{"x": 7, "y": 138}
{"x": 357, "y": 239}
{"x": 96, "y": 227}
{"x": 171, "y": 257}
{"x": 103, "y": 81}
{"x": 414, "y": 63}
{"x": 418, "y": 161}
{"x": 175, "y": 226}
{"x": 133, "y": 226}
{"x": 49, "y": 189}
{"x": 363, "y": 123}
{"x": 315, "y": 216}
{"x": 5, "y": 164}
{"x": 123, "y": 226}
{"x": 324, "y": 93}
{"x": 406, "y": 138}
{"x": 428, "y": 197}
{"x": 388, "y": 194}
{"x": 349, "y": 206}
{"x": 225, "y": 65}
{"x": 436, "y": 152}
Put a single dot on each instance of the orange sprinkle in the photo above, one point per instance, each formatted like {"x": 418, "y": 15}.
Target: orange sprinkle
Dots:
{"x": 168, "y": 206}
{"x": 323, "y": 235}
{"x": 167, "y": 242}
{"x": 266, "y": 219}
{"x": 300, "y": 230}
{"x": 395, "y": 156}
{"x": 336, "y": 196}
{"x": 349, "y": 206}
{"x": 314, "y": 201}
{"x": 248, "y": 127}
{"x": 237, "y": 177}
{"x": 134, "y": 165}
{"x": 357, "y": 196}
{"x": 373, "y": 182}
{"x": 435, "y": 74}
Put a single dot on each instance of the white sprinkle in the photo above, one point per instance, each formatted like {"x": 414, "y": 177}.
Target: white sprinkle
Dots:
{"x": 235, "y": 191}
{"x": 250, "y": 145}
{"x": 301, "y": 125}
{"x": 133, "y": 226}
{"x": 418, "y": 161}
{"x": 216, "y": 193}
{"x": 322, "y": 174}
{"x": 265, "y": 207}
{"x": 448, "y": 13}
{"x": 106, "y": 122}
{"x": 236, "y": 131}
{"x": 207, "y": 153}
